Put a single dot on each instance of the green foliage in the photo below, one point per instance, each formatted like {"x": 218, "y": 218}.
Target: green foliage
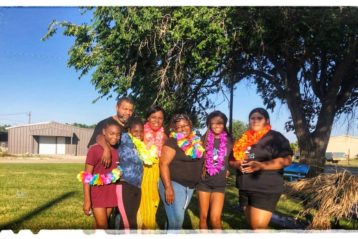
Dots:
{"x": 3, "y": 127}
{"x": 238, "y": 128}
{"x": 177, "y": 57}
{"x": 294, "y": 146}
{"x": 84, "y": 125}
{"x": 162, "y": 55}
{"x": 305, "y": 57}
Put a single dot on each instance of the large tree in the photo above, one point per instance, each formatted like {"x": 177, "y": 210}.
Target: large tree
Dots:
{"x": 176, "y": 57}
{"x": 308, "y": 59}
{"x": 169, "y": 56}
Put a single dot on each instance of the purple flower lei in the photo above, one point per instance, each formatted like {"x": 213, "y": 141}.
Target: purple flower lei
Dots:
{"x": 209, "y": 157}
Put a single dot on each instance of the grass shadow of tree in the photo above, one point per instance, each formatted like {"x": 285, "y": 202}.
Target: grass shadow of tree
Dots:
{"x": 16, "y": 224}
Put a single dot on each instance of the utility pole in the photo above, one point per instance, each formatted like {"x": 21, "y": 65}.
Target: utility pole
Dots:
{"x": 231, "y": 103}
{"x": 29, "y": 114}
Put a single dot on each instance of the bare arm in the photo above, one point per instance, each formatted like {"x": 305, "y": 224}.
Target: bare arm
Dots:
{"x": 236, "y": 163}
{"x": 86, "y": 190}
{"x": 165, "y": 159}
{"x": 274, "y": 164}
{"x": 106, "y": 156}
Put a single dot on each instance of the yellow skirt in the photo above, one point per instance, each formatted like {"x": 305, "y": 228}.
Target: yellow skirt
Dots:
{"x": 146, "y": 216}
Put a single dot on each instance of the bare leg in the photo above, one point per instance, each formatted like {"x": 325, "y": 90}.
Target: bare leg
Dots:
{"x": 259, "y": 218}
{"x": 109, "y": 211}
{"x": 216, "y": 207}
{"x": 204, "y": 201}
{"x": 101, "y": 218}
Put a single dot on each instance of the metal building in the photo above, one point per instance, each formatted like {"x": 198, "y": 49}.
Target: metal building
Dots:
{"x": 344, "y": 143}
{"x": 48, "y": 138}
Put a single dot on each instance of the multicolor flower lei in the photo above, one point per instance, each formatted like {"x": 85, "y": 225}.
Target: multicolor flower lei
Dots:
{"x": 147, "y": 156}
{"x": 249, "y": 138}
{"x": 152, "y": 137}
{"x": 100, "y": 179}
{"x": 211, "y": 168}
{"x": 192, "y": 145}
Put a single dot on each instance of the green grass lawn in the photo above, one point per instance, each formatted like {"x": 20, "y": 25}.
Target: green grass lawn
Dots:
{"x": 48, "y": 196}
{"x": 353, "y": 163}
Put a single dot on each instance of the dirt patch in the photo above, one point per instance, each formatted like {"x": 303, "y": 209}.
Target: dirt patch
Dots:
{"x": 42, "y": 159}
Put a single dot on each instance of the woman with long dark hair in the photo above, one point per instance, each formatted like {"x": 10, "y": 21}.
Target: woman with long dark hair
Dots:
{"x": 211, "y": 188}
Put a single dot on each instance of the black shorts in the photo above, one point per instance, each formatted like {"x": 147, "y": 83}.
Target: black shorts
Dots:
{"x": 206, "y": 187}
{"x": 260, "y": 200}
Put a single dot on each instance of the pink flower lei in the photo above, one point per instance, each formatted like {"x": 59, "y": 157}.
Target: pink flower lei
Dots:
{"x": 152, "y": 137}
{"x": 212, "y": 169}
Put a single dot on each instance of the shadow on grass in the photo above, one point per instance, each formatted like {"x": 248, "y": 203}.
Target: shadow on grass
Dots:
{"x": 15, "y": 224}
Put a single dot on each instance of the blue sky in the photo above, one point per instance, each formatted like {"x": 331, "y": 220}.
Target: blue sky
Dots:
{"x": 34, "y": 76}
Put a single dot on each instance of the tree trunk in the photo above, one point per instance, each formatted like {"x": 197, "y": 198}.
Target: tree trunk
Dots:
{"x": 312, "y": 145}
{"x": 313, "y": 154}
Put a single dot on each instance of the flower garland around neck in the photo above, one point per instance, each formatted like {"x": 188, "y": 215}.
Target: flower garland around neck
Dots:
{"x": 191, "y": 145}
{"x": 100, "y": 179}
{"x": 249, "y": 138}
{"x": 147, "y": 156}
{"x": 211, "y": 168}
{"x": 152, "y": 137}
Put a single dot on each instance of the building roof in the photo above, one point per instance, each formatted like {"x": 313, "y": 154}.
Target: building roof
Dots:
{"x": 345, "y": 136}
{"x": 48, "y": 123}
{"x": 25, "y": 125}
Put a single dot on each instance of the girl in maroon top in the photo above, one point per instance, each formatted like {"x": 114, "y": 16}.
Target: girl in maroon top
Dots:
{"x": 101, "y": 198}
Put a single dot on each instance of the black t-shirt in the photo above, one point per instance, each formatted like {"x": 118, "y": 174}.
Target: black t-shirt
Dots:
{"x": 99, "y": 127}
{"x": 219, "y": 180}
{"x": 270, "y": 146}
{"x": 184, "y": 169}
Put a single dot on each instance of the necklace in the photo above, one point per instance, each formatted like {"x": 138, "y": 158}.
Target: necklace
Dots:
{"x": 211, "y": 167}
{"x": 153, "y": 138}
{"x": 147, "y": 156}
{"x": 191, "y": 145}
{"x": 249, "y": 138}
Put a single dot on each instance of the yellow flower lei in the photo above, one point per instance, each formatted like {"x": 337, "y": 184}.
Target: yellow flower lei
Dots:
{"x": 147, "y": 156}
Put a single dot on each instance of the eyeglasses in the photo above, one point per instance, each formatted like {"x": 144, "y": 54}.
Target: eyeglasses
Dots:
{"x": 182, "y": 127}
{"x": 257, "y": 118}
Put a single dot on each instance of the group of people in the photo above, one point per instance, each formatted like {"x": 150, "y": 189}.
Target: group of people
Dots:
{"x": 131, "y": 165}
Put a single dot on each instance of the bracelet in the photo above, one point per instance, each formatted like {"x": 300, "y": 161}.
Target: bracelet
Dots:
{"x": 100, "y": 179}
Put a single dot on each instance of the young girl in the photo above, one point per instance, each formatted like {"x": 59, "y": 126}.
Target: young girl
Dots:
{"x": 211, "y": 189}
{"x": 133, "y": 155}
{"x": 99, "y": 190}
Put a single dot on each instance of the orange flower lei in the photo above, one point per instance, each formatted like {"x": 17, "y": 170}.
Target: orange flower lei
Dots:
{"x": 249, "y": 138}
